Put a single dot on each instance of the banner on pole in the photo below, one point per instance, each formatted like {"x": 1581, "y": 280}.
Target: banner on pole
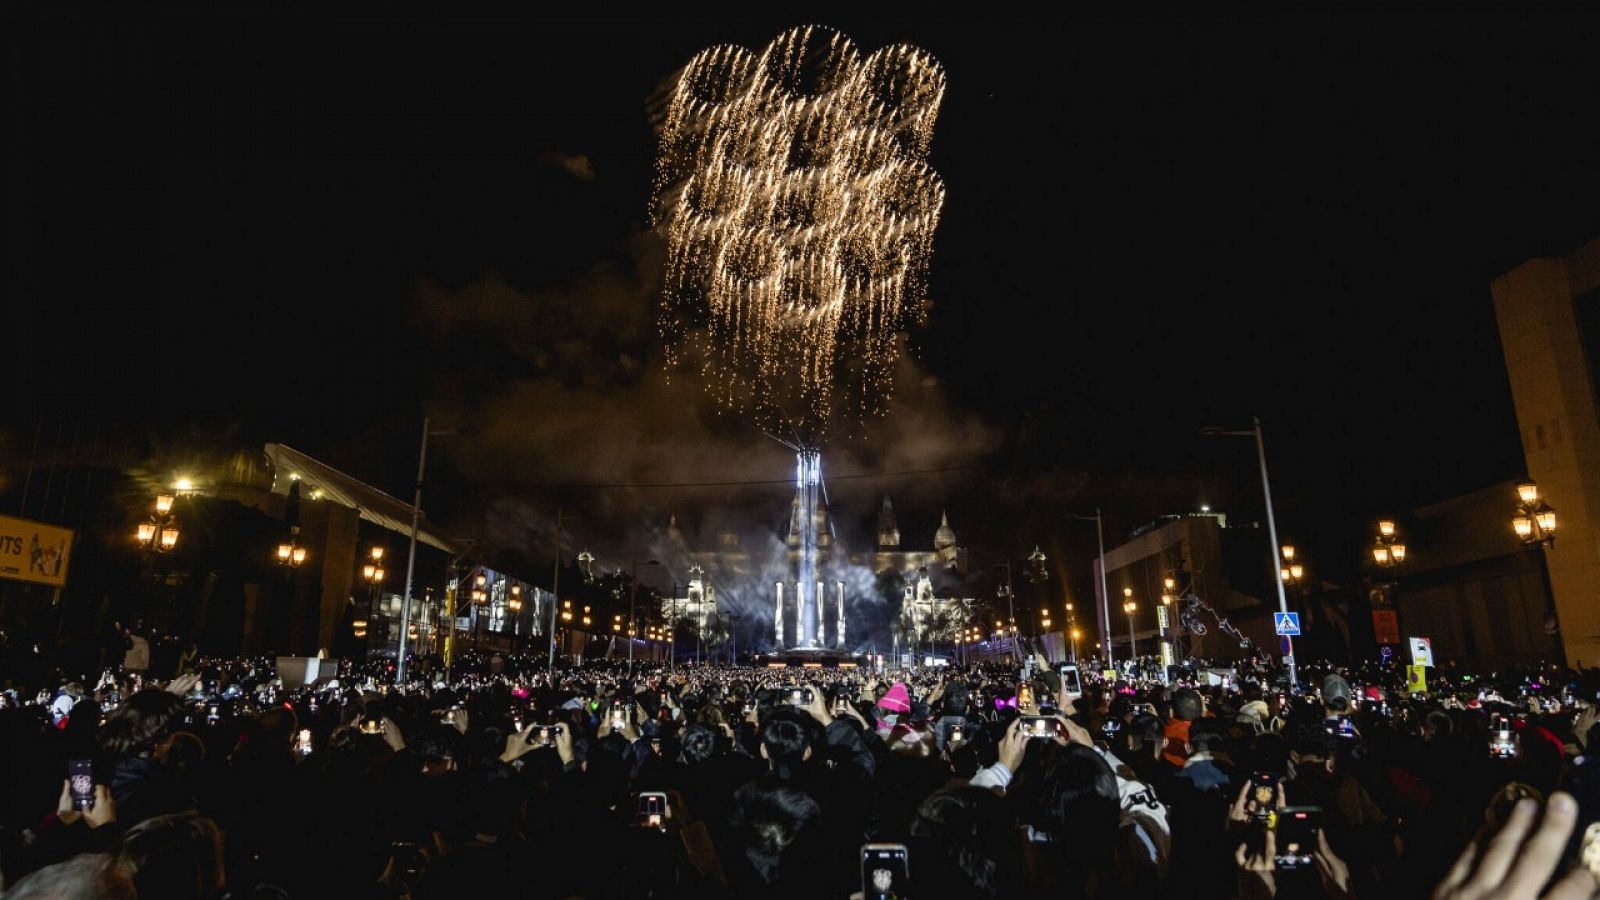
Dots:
{"x": 1417, "y": 679}
{"x": 1421, "y": 651}
{"x": 1386, "y": 626}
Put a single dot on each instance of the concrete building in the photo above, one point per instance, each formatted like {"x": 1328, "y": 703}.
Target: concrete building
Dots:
{"x": 1228, "y": 572}
{"x": 1549, "y": 315}
{"x": 1469, "y": 585}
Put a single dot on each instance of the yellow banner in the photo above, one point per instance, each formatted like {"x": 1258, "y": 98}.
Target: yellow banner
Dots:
{"x": 1417, "y": 679}
{"x": 33, "y": 551}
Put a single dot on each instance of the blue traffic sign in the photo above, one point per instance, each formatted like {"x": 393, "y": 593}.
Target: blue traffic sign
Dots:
{"x": 1286, "y": 623}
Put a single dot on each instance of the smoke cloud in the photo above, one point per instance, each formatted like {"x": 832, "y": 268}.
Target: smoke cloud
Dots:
{"x": 565, "y": 401}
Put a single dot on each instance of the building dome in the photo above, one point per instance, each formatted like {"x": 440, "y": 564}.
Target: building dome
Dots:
{"x": 945, "y": 536}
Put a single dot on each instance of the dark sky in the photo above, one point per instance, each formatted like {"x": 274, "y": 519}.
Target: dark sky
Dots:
{"x": 314, "y": 229}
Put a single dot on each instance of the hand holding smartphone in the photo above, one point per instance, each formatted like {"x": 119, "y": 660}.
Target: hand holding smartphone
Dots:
{"x": 1040, "y": 727}
{"x": 1296, "y": 829}
{"x": 885, "y": 872}
{"x": 80, "y": 779}
{"x": 1262, "y": 800}
{"x": 651, "y": 811}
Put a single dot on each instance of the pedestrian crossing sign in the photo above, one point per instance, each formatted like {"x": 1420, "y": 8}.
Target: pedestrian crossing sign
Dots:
{"x": 1286, "y": 623}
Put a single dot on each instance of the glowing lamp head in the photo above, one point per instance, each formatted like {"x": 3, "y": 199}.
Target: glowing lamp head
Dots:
{"x": 1397, "y": 552}
{"x": 1546, "y": 517}
{"x": 378, "y": 575}
{"x": 1288, "y": 552}
{"x": 1523, "y": 526}
{"x": 298, "y": 556}
{"x": 163, "y": 504}
{"x": 1127, "y": 592}
{"x": 147, "y": 533}
{"x": 1380, "y": 555}
{"x": 1386, "y": 527}
{"x": 183, "y": 485}
{"x": 284, "y": 552}
{"x": 481, "y": 580}
{"x": 369, "y": 572}
{"x": 168, "y": 538}
{"x": 1170, "y": 583}
{"x": 1528, "y": 493}
{"x": 1297, "y": 571}
{"x": 377, "y": 554}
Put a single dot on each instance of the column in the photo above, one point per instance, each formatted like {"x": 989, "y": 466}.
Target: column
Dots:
{"x": 777, "y": 619}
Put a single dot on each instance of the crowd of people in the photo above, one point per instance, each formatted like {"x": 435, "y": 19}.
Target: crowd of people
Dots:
{"x": 602, "y": 780}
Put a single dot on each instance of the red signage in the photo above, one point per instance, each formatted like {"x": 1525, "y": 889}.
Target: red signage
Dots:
{"x": 1386, "y": 625}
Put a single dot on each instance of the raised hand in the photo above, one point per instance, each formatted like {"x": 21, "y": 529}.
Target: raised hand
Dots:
{"x": 1515, "y": 865}
{"x": 1013, "y": 746}
{"x": 183, "y": 685}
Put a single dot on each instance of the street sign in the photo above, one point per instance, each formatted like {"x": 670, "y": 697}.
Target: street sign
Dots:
{"x": 1286, "y": 624}
{"x": 1161, "y": 617}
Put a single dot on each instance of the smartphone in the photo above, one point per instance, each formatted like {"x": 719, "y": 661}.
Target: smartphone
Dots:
{"x": 1040, "y": 727}
{"x": 651, "y": 811}
{"x": 213, "y": 715}
{"x": 1502, "y": 741}
{"x": 885, "y": 872}
{"x": 302, "y": 744}
{"x": 619, "y": 715}
{"x": 797, "y": 696}
{"x": 1262, "y": 800}
{"x": 957, "y": 734}
{"x": 410, "y": 863}
{"x": 1071, "y": 682}
{"x": 371, "y": 725}
{"x": 1296, "y": 829}
{"x": 80, "y": 778}
{"x": 448, "y": 717}
{"x": 841, "y": 706}
{"x": 1025, "y": 696}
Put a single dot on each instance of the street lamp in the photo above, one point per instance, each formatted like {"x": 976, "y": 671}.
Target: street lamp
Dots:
{"x": 1272, "y": 528}
{"x": 1535, "y": 521}
{"x": 1388, "y": 549}
{"x": 1130, "y": 607}
{"x": 1292, "y": 572}
{"x": 161, "y": 532}
{"x": 291, "y": 554}
{"x": 372, "y": 574}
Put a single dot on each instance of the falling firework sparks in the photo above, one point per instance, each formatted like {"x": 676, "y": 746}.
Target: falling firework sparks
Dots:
{"x": 800, "y": 216}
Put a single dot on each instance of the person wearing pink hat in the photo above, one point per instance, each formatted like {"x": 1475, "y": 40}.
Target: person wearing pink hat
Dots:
{"x": 897, "y": 700}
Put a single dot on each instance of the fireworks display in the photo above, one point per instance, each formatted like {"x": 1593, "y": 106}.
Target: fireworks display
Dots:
{"x": 800, "y": 216}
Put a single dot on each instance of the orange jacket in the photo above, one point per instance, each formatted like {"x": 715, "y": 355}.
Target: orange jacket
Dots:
{"x": 1177, "y": 735}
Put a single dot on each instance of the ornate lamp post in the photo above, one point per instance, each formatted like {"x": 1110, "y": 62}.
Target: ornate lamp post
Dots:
{"x": 160, "y": 533}
{"x": 1534, "y": 522}
{"x": 1389, "y": 549}
{"x": 372, "y": 573}
{"x": 1130, "y": 607}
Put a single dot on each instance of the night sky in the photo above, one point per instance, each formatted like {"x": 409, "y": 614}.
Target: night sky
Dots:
{"x": 266, "y": 226}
